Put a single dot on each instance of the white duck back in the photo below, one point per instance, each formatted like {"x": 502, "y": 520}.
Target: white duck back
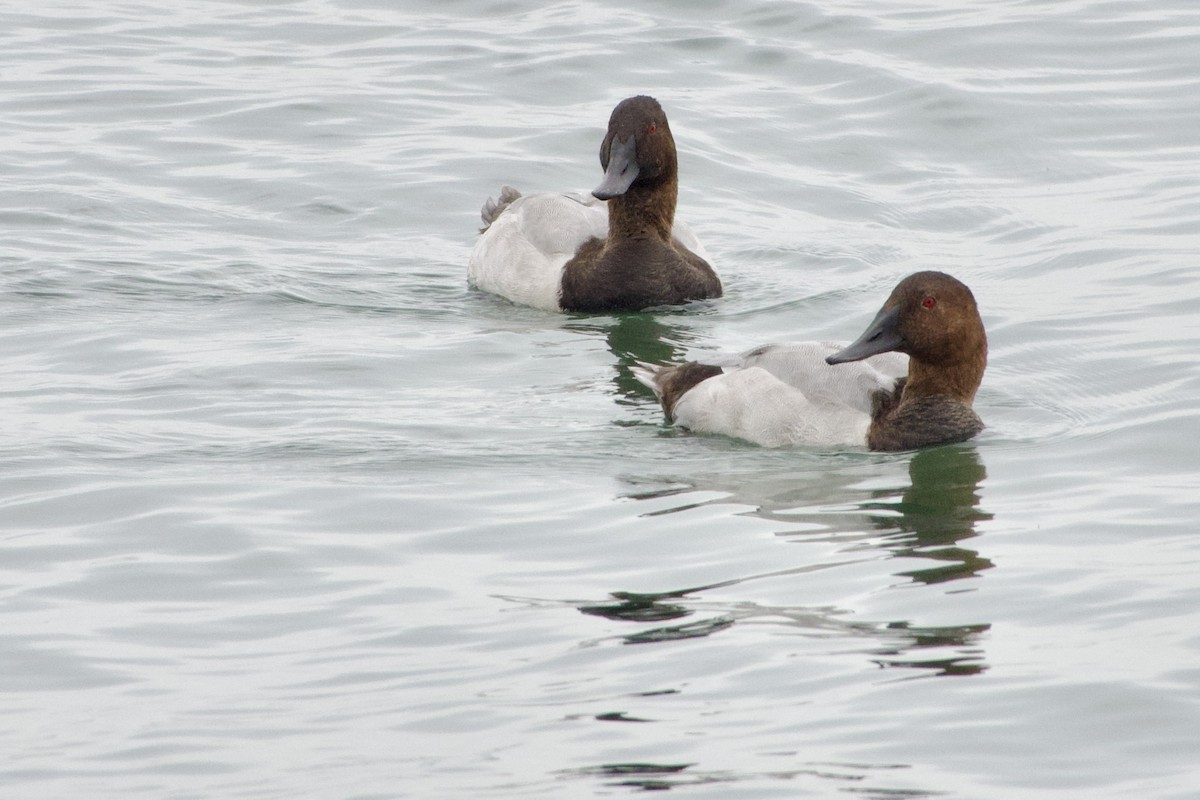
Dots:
{"x": 802, "y": 365}
{"x": 785, "y": 394}
{"x": 522, "y": 253}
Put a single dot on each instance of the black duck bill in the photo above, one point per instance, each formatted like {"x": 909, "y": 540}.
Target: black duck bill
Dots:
{"x": 881, "y": 336}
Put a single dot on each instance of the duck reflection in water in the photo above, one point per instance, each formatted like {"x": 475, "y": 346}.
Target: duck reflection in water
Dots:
{"x": 929, "y": 519}
{"x": 938, "y": 510}
{"x": 633, "y": 338}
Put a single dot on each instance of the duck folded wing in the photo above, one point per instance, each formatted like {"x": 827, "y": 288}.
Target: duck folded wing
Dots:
{"x": 802, "y": 365}
{"x": 754, "y": 405}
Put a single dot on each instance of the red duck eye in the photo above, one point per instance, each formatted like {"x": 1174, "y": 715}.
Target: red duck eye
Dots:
{"x": 653, "y": 127}
{"x": 929, "y": 302}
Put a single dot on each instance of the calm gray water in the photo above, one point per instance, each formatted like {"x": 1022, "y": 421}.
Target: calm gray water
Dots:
{"x": 288, "y": 511}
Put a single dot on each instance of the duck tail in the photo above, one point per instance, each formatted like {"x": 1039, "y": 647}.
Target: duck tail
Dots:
{"x": 648, "y": 375}
{"x": 494, "y": 208}
{"x": 670, "y": 382}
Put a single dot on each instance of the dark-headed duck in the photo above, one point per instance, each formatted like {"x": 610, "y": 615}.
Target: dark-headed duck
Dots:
{"x": 809, "y": 393}
{"x": 618, "y": 250}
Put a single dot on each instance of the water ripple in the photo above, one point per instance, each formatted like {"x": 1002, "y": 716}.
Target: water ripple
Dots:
{"x": 289, "y": 510}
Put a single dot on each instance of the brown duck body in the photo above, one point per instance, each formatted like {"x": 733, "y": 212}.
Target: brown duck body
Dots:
{"x": 919, "y": 420}
{"x": 636, "y": 266}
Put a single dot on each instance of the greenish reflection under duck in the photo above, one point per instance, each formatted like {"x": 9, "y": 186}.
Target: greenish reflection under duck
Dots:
{"x": 939, "y": 509}
{"x": 636, "y": 337}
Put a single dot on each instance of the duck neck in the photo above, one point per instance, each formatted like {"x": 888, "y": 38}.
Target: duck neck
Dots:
{"x": 959, "y": 380}
{"x": 644, "y": 210}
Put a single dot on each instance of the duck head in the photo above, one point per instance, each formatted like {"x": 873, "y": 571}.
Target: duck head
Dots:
{"x": 637, "y": 149}
{"x": 932, "y": 317}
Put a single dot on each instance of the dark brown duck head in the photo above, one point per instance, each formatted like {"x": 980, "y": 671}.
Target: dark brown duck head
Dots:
{"x": 933, "y": 318}
{"x": 641, "y": 169}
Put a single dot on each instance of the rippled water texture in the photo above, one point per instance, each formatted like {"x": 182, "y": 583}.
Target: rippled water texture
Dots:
{"x": 289, "y": 511}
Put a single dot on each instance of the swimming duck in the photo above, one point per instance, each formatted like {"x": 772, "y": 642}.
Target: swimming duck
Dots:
{"x": 618, "y": 250}
{"x": 782, "y": 395}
